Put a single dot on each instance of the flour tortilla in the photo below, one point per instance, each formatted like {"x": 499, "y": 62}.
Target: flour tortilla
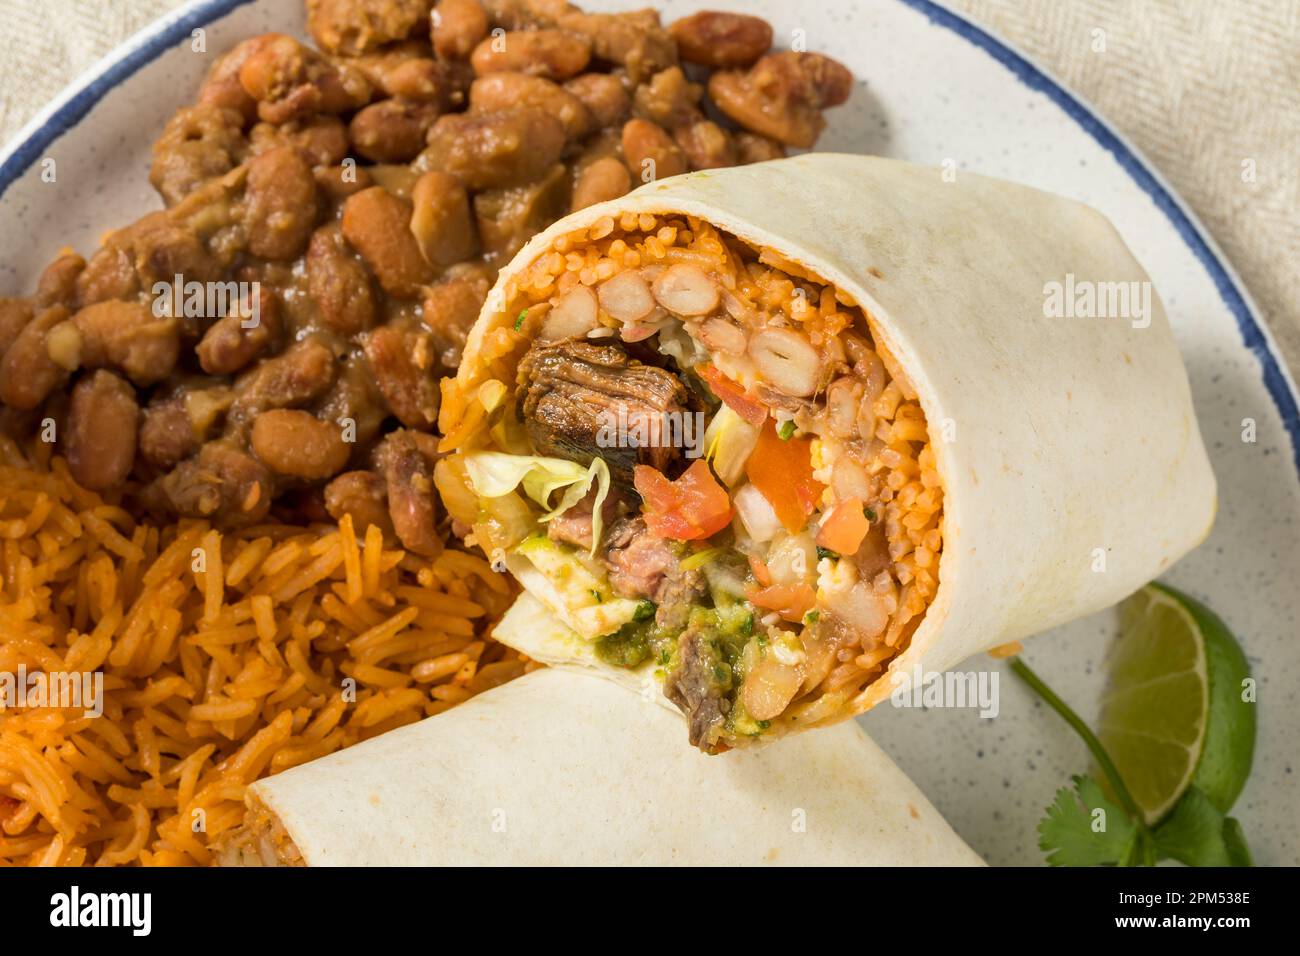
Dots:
{"x": 1072, "y": 464}
{"x": 558, "y": 768}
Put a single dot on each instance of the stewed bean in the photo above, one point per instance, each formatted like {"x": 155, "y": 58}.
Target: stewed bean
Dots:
{"x": 553, "y": 54}
{"x": 457, "y": 28}
{"x": 504, "y": 91}
{"x": 377, "y": 224}
{"x": 600, "y": 180}
{"x": 786, "y": 360}
{"x": 299, "y": 445}
{"x": 103, "y": 421}
{"x": 626, "y": 297}
{"x": 723, "y": 41}
{"x": 686, "y": 289}
{"x": 650, "y": 152}
{"x": 441, "y": 221}
{"x": 27, "y": 373}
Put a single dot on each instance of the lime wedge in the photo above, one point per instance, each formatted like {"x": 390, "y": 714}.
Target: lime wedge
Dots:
{"x": 1173, "y": 712}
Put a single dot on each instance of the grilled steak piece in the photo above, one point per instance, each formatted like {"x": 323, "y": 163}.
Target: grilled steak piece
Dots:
{"x": 699, "y": 687}
{"x": 582, "y": 401}
{"x": 643, "y": 565}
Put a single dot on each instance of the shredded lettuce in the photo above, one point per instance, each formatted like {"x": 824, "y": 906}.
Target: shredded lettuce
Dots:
{"x": 494, "y": 473}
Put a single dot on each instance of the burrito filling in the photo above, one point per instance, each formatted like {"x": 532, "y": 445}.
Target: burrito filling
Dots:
{"x": 702, "y": 460}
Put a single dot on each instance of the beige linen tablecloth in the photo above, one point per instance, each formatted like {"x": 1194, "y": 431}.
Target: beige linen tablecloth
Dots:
{"x": 1205, "y": 88}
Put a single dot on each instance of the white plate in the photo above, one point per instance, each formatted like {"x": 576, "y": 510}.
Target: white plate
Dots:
{"x": 935, "y": 88}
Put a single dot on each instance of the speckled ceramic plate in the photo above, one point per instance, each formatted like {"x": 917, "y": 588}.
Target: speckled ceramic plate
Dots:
{"x": 933, "y": 88}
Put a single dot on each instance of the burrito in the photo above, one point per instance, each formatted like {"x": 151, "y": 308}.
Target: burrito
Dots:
{"x": 558, "y": 768}
{"x": 780, "y": 438}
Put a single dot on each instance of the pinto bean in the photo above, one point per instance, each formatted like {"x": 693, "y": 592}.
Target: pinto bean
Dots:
{"x": 235, "y": 340}
{"x": 669, "y": 99}
{"x": 167, "y": 433}
{"x": 127, "y": 336}
{"x": 198, "y": 143}
{"x": 634, "y": 41}
{"x": 786, "y": 360}
{"x": 722, "y": 41}
{"x": 103, "y": 420}
{"x": 650, "y": 152}
{"x": 377, "y": 224}
{"x": 280, "y": 205}
{"x": 603, "y": 179}
{"x": 706, "y": 145}
{"x": 364, "y": 496}
{"x": 338, "y": 282}
{"x": 221, "y": 483}
{"x": 58, "y": 283}
{"x": 161, "y": 246}
{"x": 222, "y": 88}
{"x": 686, "y": 289}
{"x": 604, "y": 96}
{"x": 351, "y": 27}
{"x": 401, "y": 362}
{"x": 412, "y": 505}
{"x": 299, "y": 445}
{"x": 626, "y": 297}
{"x": 441, "y": 221}
{"x": 553, "y": 54}
{"x": 782, "y": 95}
{"x": 340, "y": 182}
{"x": 451, "y": 307}
{"x": 574, "y": 315}
{"x": 288, "y": 81}
{"x": 504, "y": 91}
{"x": 301, "y": 373}
{"x": 14, "y": 316}
{"x": 354, "y": 401}
{"x": 494, "y": 150}
{"x": 322, "y": 140}
{"x": 457, "y": 27}
{"x": 753, "y": 148}
{"x": 392, "y": 131}
{"x": 27, "y": 373}
{"x": 110, "y": 274}
{"x": 406, "y": 72}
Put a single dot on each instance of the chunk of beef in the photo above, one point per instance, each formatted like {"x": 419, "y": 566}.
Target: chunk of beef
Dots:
{"x": 699, "y": 686}
{"x": 643, "y": 565}
{"x": 583, "y": 401}
{"x": 576, "y": 526}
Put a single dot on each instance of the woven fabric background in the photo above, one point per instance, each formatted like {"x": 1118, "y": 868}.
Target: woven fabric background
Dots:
{"x": 1208, "y": 90}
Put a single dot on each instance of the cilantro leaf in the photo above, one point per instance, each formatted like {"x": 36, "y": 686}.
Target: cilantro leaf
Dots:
{"x": 1196, "y": 833}
{"x": 1083, "y": 828}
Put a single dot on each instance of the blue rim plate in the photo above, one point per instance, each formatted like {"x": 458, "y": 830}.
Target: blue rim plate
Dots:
{"x": 990, "y": 781}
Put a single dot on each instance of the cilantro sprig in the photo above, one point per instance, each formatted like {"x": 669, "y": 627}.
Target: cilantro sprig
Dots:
{"x": 1085, "y": 827}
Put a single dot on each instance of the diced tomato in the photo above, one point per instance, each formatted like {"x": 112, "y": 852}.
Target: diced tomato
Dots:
{"x": 761, "y": 574}
{"x": 791, "y": 601}
{"x": 844, "y": 527}
{"x": 692, "y": 507}
{"x": 736, "y": 398}
{"x": 781, "y": 469}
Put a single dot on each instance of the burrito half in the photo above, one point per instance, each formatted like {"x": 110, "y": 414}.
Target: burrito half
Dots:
{"x": 772, "y": 437}
{"x": 558, "y": 768}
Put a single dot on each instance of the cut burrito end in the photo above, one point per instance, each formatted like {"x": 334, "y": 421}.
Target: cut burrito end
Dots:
{"x": 701, "y": 459}
{"x": 775, "y": 437}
